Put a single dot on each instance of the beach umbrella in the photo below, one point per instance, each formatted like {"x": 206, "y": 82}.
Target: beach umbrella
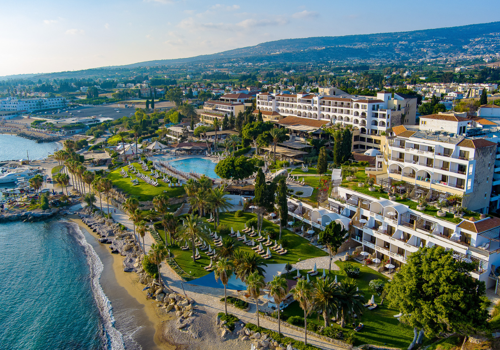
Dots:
{"x": 314, "y": 268}
{"x": 336, "y": 279}
{"x": 252, "y": 228}
{"x": 268, "y": 252}
{"x": 232, "y": 230}
{"x": 253, "y": 243}
{"x": 308, "y": 278}
{"x": 324, "y": 273}
{"x": 261, "y": 247}
{"x": 275, "y": 243}
{"x": 364, "y": 253}
{"x": 376, "y": 260}
{"x": 238, "y": 234}
{"x": 197, "y": 252}
{"x": 372, "y": 300}
{"x": 244, "y": 238}
{"x": 298, "y": 274}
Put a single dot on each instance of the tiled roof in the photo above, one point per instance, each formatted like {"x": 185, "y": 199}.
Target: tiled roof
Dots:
{"x": 407, "y": 133}
{"x": 225, "y": 103}
{"x": 399, "y": 129}
{"x": 303, "y": 121}
{"x": 480, "y": 226}
{"x": 231, "y": 96}
{"x": 477, "y": 143}
{"x": 266, "y": 112}
{"x": 483, "y": 121}
{"x": 359, "y": 157}
{"x": 490, "y": 106}
{"x": 448, "y": 117}
{"x": 285, "y": 95}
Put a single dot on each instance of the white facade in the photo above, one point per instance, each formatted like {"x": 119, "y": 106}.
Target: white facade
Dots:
{"x": 444, "y": 122}
{"x": 30, "y": 105}
{"x": 489, "y": 111}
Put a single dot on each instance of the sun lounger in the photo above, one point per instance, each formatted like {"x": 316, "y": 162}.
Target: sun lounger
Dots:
{"x": 209, "y": 267}
{"x": 196, "y": 257}
{"x": 373, "y": 307}
{"x": 184, "y": 248}
{"x": 283, "y": 252}
{"x": 311, "y": 273}
{"x": 266, "y": 257}
{"x": 268, "y": 243}
{"x": 359, "y": 327}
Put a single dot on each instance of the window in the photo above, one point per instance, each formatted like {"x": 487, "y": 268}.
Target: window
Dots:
{"x": 469, "y": 184}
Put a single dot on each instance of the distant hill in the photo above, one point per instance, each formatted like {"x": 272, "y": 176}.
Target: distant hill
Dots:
{"x": 430, "y": 43}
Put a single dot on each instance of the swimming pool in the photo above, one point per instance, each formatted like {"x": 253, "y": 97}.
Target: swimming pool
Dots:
{"x": 197, "y": 165}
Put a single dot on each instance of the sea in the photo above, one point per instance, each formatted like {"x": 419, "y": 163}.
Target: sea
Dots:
{"x": 15, "y": 148}
{"x": 58, "y": 289}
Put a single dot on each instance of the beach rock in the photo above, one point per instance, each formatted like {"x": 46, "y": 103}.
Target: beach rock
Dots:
{"x": 264, "y": 343}
{"x": 184, "y": 302}
{"x": 160, "y": 297}
{"x": 248, "y": 332}
{"x": 223, "y": 323}
{"x": 178, "y": 308}
{"x": 245, "y": 338}
{"x": 169, "y": 307}
{"x": 224, "y": 333}
{"x": 217, "y": 320}
{"x": 159, "y": 291}
{"x": 187, "y": 314}
{"x": 188, "y": 308}
{"x": 256, "y": 335}
{"x": 264, "y": 336}
{"x": 178, "y": 313}
{"x": 182, "y": 325}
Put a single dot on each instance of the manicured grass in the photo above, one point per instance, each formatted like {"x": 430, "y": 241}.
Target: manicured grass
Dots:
{"x": 143, "y": 191}
{"x": 311, "y": 171}
{"x": 298, "y": 247}
{"x": 57, "y": 169}
{"x": 380, "y": 325}
{"x": 446, "y": 344}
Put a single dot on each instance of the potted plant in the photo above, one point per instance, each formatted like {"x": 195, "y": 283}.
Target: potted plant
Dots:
{"x": 422, "y": 204}
{"x": 459, "y": 212}
{"x": 371, "y": 182}
{"x": 441, "y": 212}
{"x": 392, "y": 194}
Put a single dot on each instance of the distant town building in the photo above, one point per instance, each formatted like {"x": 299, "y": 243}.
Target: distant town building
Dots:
{"x": 31, "y": 105}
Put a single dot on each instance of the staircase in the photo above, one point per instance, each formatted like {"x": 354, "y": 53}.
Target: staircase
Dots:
{"x": 184, "y": 209}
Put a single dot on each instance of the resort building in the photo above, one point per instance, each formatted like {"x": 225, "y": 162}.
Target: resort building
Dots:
{"x": 30, "y": 105}
{"x": 371, "y": 117}
{"x": 218, "y": 109}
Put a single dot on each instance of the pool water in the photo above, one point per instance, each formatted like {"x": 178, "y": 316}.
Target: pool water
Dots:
{"x": 197, "y": 165}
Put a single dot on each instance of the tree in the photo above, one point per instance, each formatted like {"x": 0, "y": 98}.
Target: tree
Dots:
{"x": 346, "y": 144}
{"x": 216, "y": 128}
{"x": 232, "y": 121}
{"x": 333, "y": 237}
{"x": 137, "y": 132}
{"x": 260, "y": 195}
{"x": 106, "y": 186}
{"x": 188, "y": 110}
{"x": 175, "y": 95}
{"x": 325, "y": 297}
{"x": 192, "y": 229}
{"x": 234, "y": 140}
{"x": 147, "y": 104}
{"x": 278, "y": 288}
{"x": 435, "y": 293}
{"x": 157, "y": 254}
{"x": 97, "y": 186}
{"x": 170, "y": 224}
{"x": 255, "y": 282}
{"x": 123, "y": 135}
{"x": 246, "y": 263}
{"x": 484, "y": 98}
{"x": 141, "y": 230}
{"x": 303, "y": 293}
{"x": 282, "y": 203}
{"x": 350, "y": 301}
{"x": 277, "y": 135}
{"x": 225, "y": 123}
{"x": 322, "y": 166}
{"x": 90, "y": 200}
{"x": 136, "y": 217}
{"x": 337, "y": 147}
{"x": 235, "y": 168}
{"x": 239, "y": 122}
{"x": 223, "y": 271}
{"x": 36, "y": 182}
{"x": 219, "y": 201}
{"x": 227, "y": 249}
{"x": 88, "y": 177}
{"x": 259, "y": 117}
{"x": 152, "y": 99}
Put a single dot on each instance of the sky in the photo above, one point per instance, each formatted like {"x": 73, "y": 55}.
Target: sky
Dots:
{"x": 60, "y": 35}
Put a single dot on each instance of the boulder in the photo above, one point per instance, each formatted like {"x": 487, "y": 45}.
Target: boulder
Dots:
{"x": 256, "y": 335}
{"x": 248, "y": 332}
{"x": 182, "y": 325}
{"x": 224, "y": 333}
{"x": 184, "y": 302}
{"x": 160, "y": 297}
{"x": 169, "y": 307}
{"x": 178, "y": 308}
{"x": 245, "y": 338}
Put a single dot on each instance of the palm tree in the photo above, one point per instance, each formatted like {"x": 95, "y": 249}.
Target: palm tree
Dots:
{"x": 326, "y": 296}
{"x": 64, "y": 181}
{"x": 278, "y": 290}
{"x": 88, "y": 177}
{"x": 255, "y": 282}
{"x": 69, "y": 145}
{"x": 160, "y": 203}
{"x": 157, "y": 254}
{"x": 137, "y": 131}
{"x": 170, "y": 224}
{"x": 36, "y": 182}
{"x": 223, "y": 271}
{"x": 80, "y": 170}
{"x": 303, "y": 293}
{"x": 97, "y": 186}
{"x": 191, "y": 187}
{"x": 234, "y": 141}
{"x": 106, "y": 186}
{"x": 276, "y": 135}
{"x": 246, "y": 263}
{"x": 216, "y": 127}
{"x": 141, "y": 230}
{"x": 193, "y": 229}
{"x": 199, "y": 202}
{"x": 228, "y": 248}
{"x": 90, "y": 200}
{"x": 205, "y": 183}
{"x": 122, "y": 135}
{"x": 218, "y": 200}
{"x": 136, "y": 217}
{"x": 350, "y": 301}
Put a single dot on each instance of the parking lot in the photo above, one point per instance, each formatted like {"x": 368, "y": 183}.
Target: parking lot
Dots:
{"x": 90, "y": 111}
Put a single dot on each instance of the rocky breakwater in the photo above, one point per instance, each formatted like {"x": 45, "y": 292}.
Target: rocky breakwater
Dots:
{"x": 29, "y": 216}
{"x": 121, "y": 241}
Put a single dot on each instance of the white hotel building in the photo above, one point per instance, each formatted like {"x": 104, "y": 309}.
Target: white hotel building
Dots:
{"x": 30, "y": 105}
{"x": 369, "y": 116}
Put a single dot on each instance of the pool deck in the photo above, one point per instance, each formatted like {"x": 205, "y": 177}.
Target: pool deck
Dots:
{"x": 184, "y": 157}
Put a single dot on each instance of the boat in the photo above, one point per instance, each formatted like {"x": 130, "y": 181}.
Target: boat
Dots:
{"x": 13, "y": 175}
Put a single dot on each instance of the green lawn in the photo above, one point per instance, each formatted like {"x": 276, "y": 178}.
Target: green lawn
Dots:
{"x": 311, "y": 171}
{"x": 298, "y": 247}
{"x": 143, "y": 191}
{"x": 57, "y": 169}
{"x": 381, "y": 328}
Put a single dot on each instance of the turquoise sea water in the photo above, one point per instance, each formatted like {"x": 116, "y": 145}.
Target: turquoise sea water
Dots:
{"x": 198, "y": 165}
{"x": 14, "y": 148}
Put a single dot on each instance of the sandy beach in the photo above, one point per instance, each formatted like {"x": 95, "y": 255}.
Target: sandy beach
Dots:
{"x": 125, "y": 292}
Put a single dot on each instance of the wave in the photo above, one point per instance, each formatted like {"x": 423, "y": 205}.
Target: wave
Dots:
{"x": 114, "y": 337}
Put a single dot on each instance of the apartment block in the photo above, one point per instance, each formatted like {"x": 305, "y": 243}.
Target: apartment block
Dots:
{"x": 218, "y": 109}
{"x": 31, "y": 105}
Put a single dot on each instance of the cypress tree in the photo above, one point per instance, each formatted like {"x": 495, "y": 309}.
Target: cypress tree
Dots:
{"x": 232, "y": 121}
{"x": 225, "y": 123}
{"x": 152, "y": 102}
{"x": 282, "y": 203}
{"x": 346, "y": 145}
{"x": 259, "y": 117}
{"x": 147, "y": 104}
{"x": 484, "y": 98}
{"x": 337, "y": 148}
{"x": 322, "y": 161}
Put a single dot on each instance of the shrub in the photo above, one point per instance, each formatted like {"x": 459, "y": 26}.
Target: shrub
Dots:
{"x": 238, "y": 214}
{"x": 377, "y": 286}
{"x": 272, "y": 233}
{"x": 230, "y": 319}
{"x": 150, "y": 268}
{"x": 242, "y": 151}
{"x": 223, "y": 229}
{"x": 279, "y": 338}
{"x": 296, "y": 320}
{"x": 351, "y": 271}
{"x": 313, "y": 327}
{"x": 334, "y": 332}
{"x": 240, "y": 304}
{"x": 284, "y": 243}
{"x": 44, "y": 202}
{"x": 299, "y": 193}
{"x": 252, "y": 222}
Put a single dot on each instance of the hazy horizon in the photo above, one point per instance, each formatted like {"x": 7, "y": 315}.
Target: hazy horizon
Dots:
{"x": 59, "y": 36}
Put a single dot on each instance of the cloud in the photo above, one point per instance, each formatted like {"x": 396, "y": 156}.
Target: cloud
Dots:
{"x": 50, "y": 21}
{"x": 224, "y": 7}
{"x": 253, "y": 23}
{"x": 75, "y": 31}
{"x": 306, "y": 15}
{"x": 161, "y": 1}
{"x": 106, "y": 26}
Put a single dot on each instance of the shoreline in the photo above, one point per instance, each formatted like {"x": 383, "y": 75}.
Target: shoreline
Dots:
{"x": 156, "y": 320}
